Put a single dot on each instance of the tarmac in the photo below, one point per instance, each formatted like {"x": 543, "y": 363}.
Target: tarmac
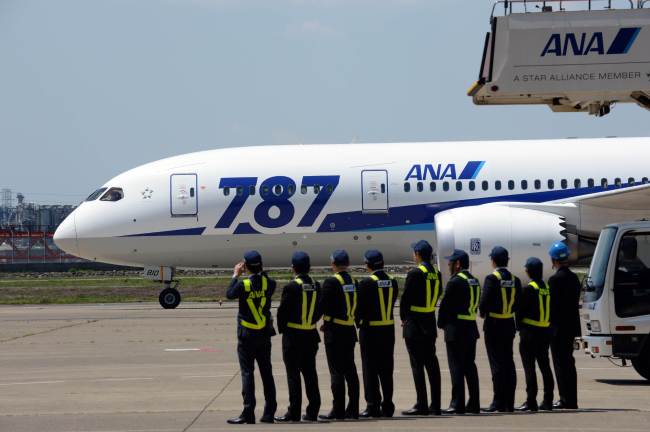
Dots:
{"x": 136, "y": 367}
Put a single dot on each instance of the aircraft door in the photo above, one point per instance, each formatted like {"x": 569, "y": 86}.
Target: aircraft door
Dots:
{"x": 183, "y": 195}
{"x": 374, "y": 191}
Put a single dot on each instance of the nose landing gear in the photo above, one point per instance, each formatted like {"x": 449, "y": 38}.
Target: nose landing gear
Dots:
{"x": 170, "y": 297}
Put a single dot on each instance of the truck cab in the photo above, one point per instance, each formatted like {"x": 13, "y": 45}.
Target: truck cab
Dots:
{"x": 616, "y": 303}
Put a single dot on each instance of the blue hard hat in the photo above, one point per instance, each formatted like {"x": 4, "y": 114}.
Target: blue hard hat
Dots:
{"x": 457, "y": 255}
{"x": 535, "y": 267}
{"x": 499, "y": 253}
{"x": 423, "y": 248}
{"x": 340, "y": 257}
{"x": 300, "y": 259}
{"x": 253, "y": 257}
{"x": 559, "y": 251}
{"x": 373, "y": 257}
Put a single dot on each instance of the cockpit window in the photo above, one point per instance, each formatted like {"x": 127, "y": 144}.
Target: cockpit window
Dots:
{"x": 113, "y": 194}
{"x": 93, "y": 196}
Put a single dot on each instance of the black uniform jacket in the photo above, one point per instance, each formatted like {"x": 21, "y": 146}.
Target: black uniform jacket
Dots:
{"x": 368, "y": 306}
{"x": 528, "y": 305}
{"x": 454, "y": 302}
{"x": 565, "y": 302}
{"x": 333, "y": 304}
{"x": 492, "y": 301}
{"x": 418, "y": 324}
{"x": 236, "y": 291}
{"x": 290, "y": 310}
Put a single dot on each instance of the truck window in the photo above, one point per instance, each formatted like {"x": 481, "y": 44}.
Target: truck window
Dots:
{"x": 595, "y": 282}
{"x": 632, "y": 280}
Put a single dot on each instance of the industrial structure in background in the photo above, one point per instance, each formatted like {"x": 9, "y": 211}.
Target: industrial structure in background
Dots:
{"x": 26, "y": 231}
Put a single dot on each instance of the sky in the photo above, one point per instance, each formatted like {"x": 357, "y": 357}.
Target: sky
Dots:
{"x": 91, "y": 88}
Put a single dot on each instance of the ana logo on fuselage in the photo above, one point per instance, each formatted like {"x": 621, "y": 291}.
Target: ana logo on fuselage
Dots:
{"x": 444, "y": 171}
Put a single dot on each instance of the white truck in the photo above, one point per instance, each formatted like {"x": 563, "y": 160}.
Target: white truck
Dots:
{"x": 616, "y": 304}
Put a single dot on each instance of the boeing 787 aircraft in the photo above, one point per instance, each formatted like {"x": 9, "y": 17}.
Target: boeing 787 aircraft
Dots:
{"x": 205, "y": 209}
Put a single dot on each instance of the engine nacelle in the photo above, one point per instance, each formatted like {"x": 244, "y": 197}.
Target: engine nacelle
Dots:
{"x": 524, "y": 232}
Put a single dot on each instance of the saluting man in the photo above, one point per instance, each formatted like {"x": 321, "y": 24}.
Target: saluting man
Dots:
{"x": 565, "y": 310}
{"x": 457, "y": 317}
{"x": 418, "y": 313}
{"x": 339, "y": 304}
{"x": 254, "y": 331}
{"x": 376, "y": 299}
{"x": 497, "y": 307}
{"x": 534, "y": 324}
{"x": 298, "y": 314}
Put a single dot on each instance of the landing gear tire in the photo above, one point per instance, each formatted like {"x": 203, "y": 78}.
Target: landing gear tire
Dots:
{"x": 642, "y": 364}
{"x": 169, "y": 298}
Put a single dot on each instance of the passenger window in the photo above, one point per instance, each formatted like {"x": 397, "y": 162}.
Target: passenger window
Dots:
{"x": 251, "y": 190}
{"x": 291, "y": 189}
{"x": 577, "y": 183}
{"x": 591, "y": 183}
{"x": 432, "y": 186}
{"x": 524, "y": 184}
{"x": 497, "y": 185}
{"x": 303, "y": 190}
{"x": 551, "y": 184}
{"x": 226, "y": 191}
{"x": 538, "y": 184}
{"x": 472, "y": 185}
{"x": 511, "y": 184}
{"x": 407, "y": 187}
{"x": 631, "y": 181}
{"x": 459, "y": 186}
{"x": 603, "y": 183}
{"x": 317, "y": 189}
{"x": 192, "y": 192}
{"x": 330, "y": 189}
{"x": 564, "y": 184}
{"x": 265, "y": 190}
{"x": 445, "y": 186}
{"x": 93, "y": 196}
{"x": 617, "y": 182}
{"x": 632, "y": 278}
{"x": 420, "y": 186}
{"x": 113, "y": 194}
{"x": 485, "y": 185}
{"x": 240, "y": 190}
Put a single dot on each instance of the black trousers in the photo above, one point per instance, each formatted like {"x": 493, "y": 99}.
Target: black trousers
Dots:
{"x": 250, "y": 350}
{"x": 534, "y": 348}
{"x": 422, "y": 354}
{"x": 377, "y": 350}
{"x": 565, "y": 368}
{"x": 340, "y": 359}
{"x": 502, "y": 365}
{"x": 300, "y": 358}
{"x": 461, "y": 355}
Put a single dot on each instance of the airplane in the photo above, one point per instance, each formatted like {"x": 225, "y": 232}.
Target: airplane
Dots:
{"x": 206, "y": 209}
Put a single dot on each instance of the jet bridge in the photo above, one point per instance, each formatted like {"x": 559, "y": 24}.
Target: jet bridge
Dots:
{"x": 572, "y": 55}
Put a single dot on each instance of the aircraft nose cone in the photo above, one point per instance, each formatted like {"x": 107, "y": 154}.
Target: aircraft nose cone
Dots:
{"x": 65, "y": 236}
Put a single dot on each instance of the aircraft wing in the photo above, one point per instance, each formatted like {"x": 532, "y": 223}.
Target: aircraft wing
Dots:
{"x": 631, "y": 198}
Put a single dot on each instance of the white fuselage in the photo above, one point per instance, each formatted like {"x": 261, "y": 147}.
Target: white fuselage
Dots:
{"x": 205, "y": 209}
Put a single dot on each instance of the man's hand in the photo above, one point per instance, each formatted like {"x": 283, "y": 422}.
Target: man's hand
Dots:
{"x": 239, "y": 269}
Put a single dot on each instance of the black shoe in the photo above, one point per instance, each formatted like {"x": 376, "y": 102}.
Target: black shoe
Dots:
{"x": 476, "y": 410}
{"x": 562, "y": 405}
{"x": 546, "y": 406}
{"x": 416, "y": 412}
{"x": 328, "y": 416}
{"x": 241, "y": 420}
{"x": 351, "y": 416}
{"x": 367, "y": 413}
{"x": 308, "y": 418}
{"x": 526, "y": 407}
{"x": 267, "y": 418}
{"x": 492, "y": 408}
{"x": 286, "y": 418}
{"x": 453, "y": 411}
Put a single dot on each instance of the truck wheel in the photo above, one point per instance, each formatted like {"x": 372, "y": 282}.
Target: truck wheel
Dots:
{"x": 642, "y": 364}
{"x": 169, "y": 298}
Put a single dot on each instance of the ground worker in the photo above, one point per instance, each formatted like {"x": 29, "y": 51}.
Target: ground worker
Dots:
{"x": 565, "y": 316}
{"x": 338, "y": 305}
{"x": 418, "y": 313}
{"x": 457, "y": 317}
{"x": 298, "y": 314}
{"x": 497, "y": 307}
{"x": 376, "y": 298}
{"x": 533, "y": 322}
{"x": 254, "y": 331}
